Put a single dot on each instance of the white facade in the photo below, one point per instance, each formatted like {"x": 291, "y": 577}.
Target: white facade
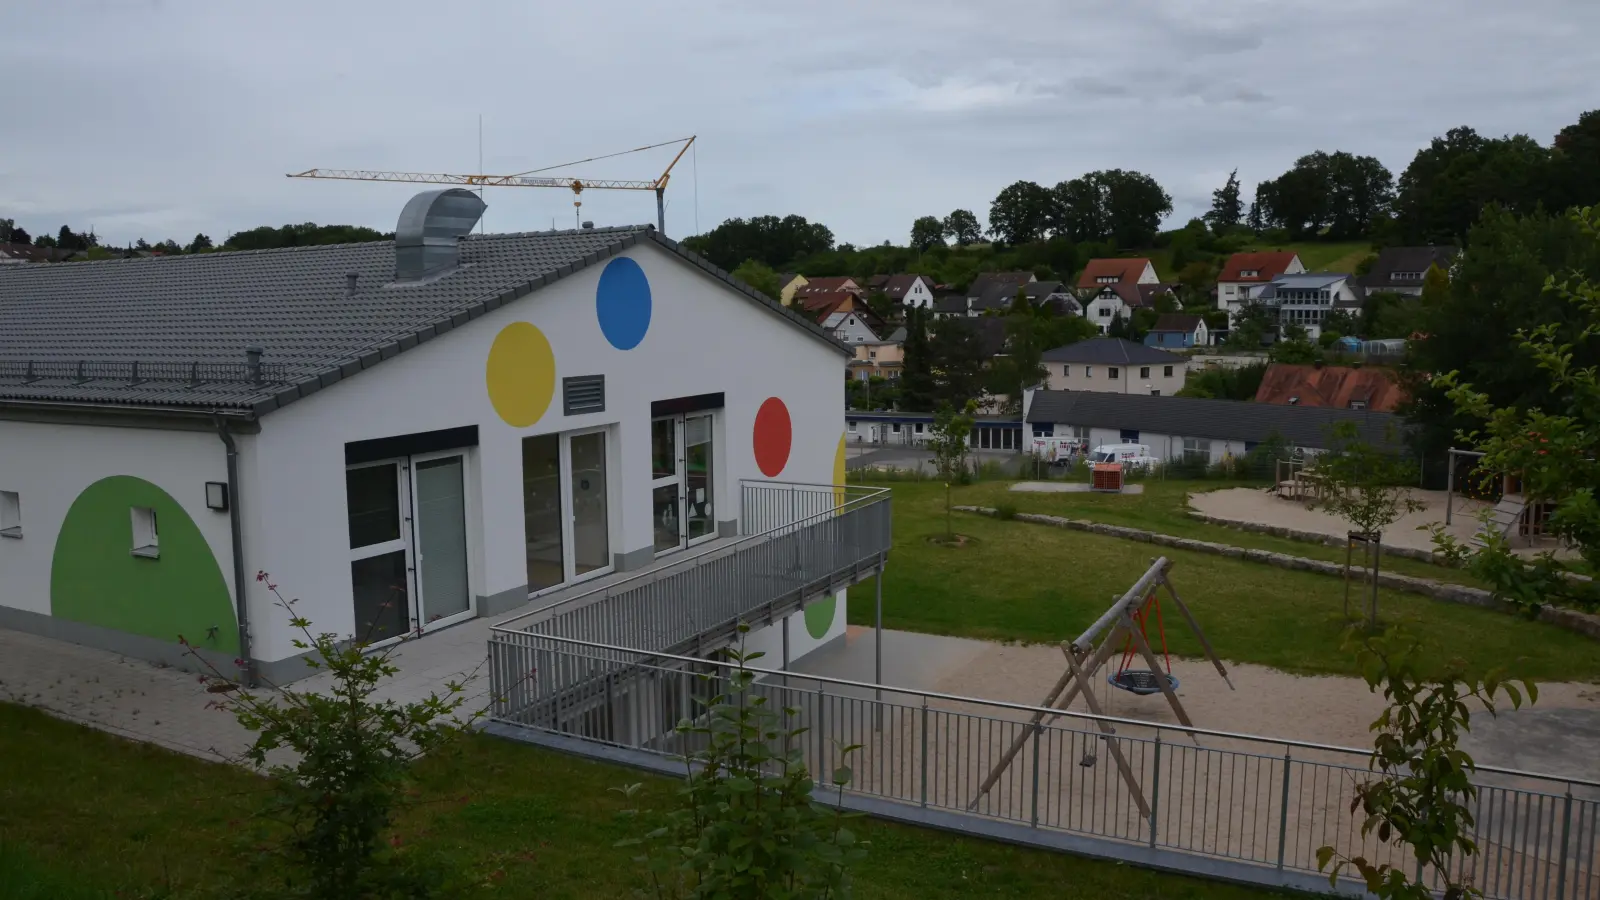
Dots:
{"x": 1306, "y": 305}
{"x": 919, "y": 294}
{"x": 1106, "y": 306}
{"x": 848, "y": 328}
{"x": 1162, "y": 446}
{"x": 1232, "y": 295}
{"x": 1165, "y": 379}
{"x": 703, "y": 339}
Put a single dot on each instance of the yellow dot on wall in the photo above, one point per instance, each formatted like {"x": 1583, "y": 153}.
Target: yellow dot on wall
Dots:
{"x": 838, "y": 474}
{"x": 520, "y": 374}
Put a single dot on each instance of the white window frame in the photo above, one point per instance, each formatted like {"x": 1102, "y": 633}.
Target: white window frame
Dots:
{"x": 146, "y": 532}
{"x": 10, "y": 514}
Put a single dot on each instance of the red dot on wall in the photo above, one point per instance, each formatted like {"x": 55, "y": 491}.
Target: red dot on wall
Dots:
{"x": 773, "y": 436}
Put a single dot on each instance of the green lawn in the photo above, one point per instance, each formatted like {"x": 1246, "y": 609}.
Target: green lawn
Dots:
{"x": 88, "y": 816}
{"x": 1027, "y": 582}
{"x": 1338, "y": 256}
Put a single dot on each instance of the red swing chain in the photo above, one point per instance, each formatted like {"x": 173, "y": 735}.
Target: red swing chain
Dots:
{"x": 1142, "y": 616}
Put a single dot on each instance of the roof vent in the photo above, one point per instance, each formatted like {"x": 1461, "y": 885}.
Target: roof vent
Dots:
{"x": 430, "y": 225}
{"x": 588, "y": 226}
{"x": 252, "y": 362}
{"x": 351, "y": 281}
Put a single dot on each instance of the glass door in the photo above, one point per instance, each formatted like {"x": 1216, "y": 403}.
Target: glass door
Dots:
{"x": 683, "y": 481}
{"x": 544, "y": 525}
{"x": 375, "y": 495}
{"x": 591, "y": 521}
{"x": 438, "y": 491}
{"x": 666, "y": 483}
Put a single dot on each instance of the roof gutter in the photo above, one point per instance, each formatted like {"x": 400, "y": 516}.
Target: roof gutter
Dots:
{"x": 171, "y": 418}
{"x": 247, "y": 669}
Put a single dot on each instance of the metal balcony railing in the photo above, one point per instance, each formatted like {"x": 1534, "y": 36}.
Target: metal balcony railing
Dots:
{"x": 1238, "y": 806}
{"x": 801, "y": 542}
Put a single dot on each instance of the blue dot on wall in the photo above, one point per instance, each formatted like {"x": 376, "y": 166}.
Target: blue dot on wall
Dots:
{"x": 622, "y": 303}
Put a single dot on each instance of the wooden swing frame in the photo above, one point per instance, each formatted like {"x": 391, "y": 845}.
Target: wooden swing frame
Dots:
{"x": 1085, "y": 659}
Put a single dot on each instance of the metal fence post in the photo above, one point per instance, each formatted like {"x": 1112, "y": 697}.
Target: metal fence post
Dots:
{"x": 1283, "y": 810}
{"x": 821, "y": 740}
{"x": 1035, "y": 802}
{"x": 1155, "y": 790}
{"x": 924, "y": 750}
{"x": 1566, "y": 825}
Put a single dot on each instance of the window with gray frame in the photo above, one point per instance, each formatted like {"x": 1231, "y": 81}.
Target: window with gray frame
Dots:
{"x": 1196, "y": 450}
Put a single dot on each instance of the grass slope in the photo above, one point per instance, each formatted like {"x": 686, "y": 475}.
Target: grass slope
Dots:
{"x": 1034, "y": 583}
{"x": 86, "y": 816}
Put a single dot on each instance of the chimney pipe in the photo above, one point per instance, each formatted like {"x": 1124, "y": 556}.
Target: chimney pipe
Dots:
{"x": 252, "y": 362}
{"x": 351, "y": 279}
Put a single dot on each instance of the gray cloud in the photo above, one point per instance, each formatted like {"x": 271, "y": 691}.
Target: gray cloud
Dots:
{"x": 163, "y": 119}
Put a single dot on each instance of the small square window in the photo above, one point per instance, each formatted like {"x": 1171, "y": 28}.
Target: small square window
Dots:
{"x": 1115, "y": 372}
{"x": 146, "y": 539}
{"x": 1144, "y": 371}
{"x": 10, "y": 514}
{"x": 1166, "y": 371}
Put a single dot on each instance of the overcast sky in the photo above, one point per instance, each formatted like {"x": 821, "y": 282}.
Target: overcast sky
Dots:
{"x": 161, "y": 119}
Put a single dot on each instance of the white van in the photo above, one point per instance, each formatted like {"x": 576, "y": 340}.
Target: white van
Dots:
{"x": 1132, "y": 456}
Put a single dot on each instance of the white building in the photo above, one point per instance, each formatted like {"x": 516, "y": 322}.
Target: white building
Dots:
{"x": 1191, "y": 429}
{"x": 1306, "y": 299}
{"x": 910, "y": 291}
{"x": 849, "y": 328}
{"x": 1245, "y": 274}
{"x": 1114, "y": 366}
{"x": 405, "y": 434}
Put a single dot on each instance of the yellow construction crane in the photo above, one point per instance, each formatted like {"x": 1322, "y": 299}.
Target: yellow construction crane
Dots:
{"x": 530, "y": 178}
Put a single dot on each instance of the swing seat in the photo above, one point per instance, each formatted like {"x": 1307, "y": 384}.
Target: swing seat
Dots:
{"x": 1140, "y": 681}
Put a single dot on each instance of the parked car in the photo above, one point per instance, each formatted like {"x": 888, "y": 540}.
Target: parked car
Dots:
{"x": 1132, "y": 456}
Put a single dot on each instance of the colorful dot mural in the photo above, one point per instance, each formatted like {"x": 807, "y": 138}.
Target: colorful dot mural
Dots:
{"x": 819, "y": 617}
{"x": 622, "y": 303}
{"x": 96, "y": 580}
{"x": 773, "y": 435}
{"x": 839, "y": 474}
{"x": 520, "y": 374}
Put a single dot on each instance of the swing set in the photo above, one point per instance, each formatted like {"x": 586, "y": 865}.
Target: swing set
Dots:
{"x": 1125, "y": 626}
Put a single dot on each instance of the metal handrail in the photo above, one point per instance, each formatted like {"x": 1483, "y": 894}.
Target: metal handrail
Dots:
{"x": 863, "y": 497}
{"x": 1028, "y": 708}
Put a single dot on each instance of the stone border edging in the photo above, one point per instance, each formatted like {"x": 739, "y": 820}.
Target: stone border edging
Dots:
{"x": 1310, "y": 537}
{"x": 1582, "y": 623}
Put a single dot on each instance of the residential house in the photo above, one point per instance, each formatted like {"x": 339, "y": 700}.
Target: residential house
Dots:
{"x": 883, "y": 357}
{"x": 985, "y": 282}
{"x": 1109, "y": 288}
{"x": 853, "y": 327}
{"x": 788, "y": 283}
{"x": 907, "y": 290}
{"x": 1196, "y": 430}
{"x": 1178, "y": 331}
{"x": 18, "y": 254}
{"x": 1246, "y": 273}
{"x": 1110, "y": 301}
{"x": 1306, "y": 299}
{"x": 407, "y": 433}
{"x": 830, "y": 284}
{"x": 1331, "y": 387}
{"x": 1117, "y": 271}
{"x": 1114, "y": 366}
{"x": 1400, "y": 270}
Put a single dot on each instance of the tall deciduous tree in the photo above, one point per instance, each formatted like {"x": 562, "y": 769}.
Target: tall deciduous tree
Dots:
{"x": 1021, "y": 213}
{"x": 1340, "y": 192}
{"x": 1498, "y": 289}
{"x": 760, "y": 276}
{"x": 200, "y": 242}
{"x": 19, "y": 235}
{"x": 1575, "y": 164}
{"x": 963, "y": 227}
{"x": 957, "y": 361}
{"x": 1227, "y": 208}
{"x": 1115, "y": 205}
{"x": 1448, "y": 183}
{"x": 774, "y": 241}
{"x": 927, "y": 233}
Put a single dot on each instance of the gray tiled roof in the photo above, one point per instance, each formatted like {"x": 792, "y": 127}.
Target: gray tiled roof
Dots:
{"x": 1111, "y": 352}
{"x": 1234, "y": 420}
{"x": 171, "y": 332}
{"x": 1406, "y": 259}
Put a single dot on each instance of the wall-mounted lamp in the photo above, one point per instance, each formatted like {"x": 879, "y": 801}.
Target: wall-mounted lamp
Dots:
{"x": 217, "y": 495}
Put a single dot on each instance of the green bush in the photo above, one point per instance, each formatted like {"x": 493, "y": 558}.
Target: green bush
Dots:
{"x": 1005, "y": 511}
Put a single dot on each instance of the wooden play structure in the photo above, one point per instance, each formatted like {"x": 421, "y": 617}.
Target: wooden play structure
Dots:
{"x": 1514, "y": 515}
{"x": 1293, "y": 479}
{"x": 1125, "y": 627}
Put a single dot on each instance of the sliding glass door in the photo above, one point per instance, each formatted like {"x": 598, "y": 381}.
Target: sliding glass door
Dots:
{"x": 566, "y": 507}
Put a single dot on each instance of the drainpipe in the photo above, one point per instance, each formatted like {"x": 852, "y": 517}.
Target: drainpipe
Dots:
{"x": 248, "y": 674}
